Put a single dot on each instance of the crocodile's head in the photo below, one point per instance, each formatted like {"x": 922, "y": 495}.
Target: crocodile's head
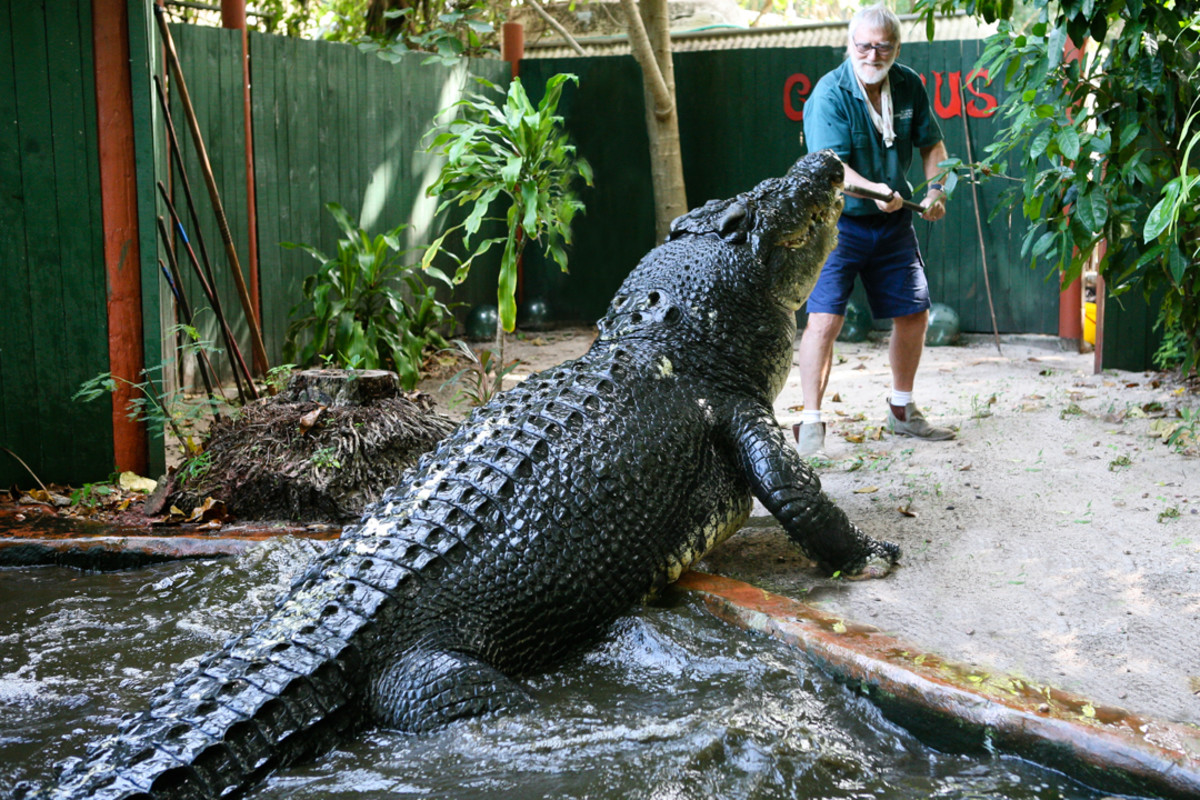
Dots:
{"x": 788, "y": 223}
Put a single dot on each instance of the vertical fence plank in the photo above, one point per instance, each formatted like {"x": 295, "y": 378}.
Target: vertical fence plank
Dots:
{"x": 53, "y": 281}
{"x": 18, "y": 391}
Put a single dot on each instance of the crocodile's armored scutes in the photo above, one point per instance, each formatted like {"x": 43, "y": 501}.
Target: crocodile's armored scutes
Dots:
{"x": 543, "y": 517}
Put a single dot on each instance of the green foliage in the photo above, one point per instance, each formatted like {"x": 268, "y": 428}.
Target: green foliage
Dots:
{"x": 449, "y": 31}
{"x": 160, "y": 410}
{"x": 92, "y": 495}
{"x": 278, "y": 377}
{"x": 195, "y": 469}
{"x": 333, "y": 20}
{"x": 325, "y": 458}
{"x": 517, "y": 153}
{"x": 483, "y": 376}
{"x": 357, "y": 312}
{"x": 1102, "y": 148}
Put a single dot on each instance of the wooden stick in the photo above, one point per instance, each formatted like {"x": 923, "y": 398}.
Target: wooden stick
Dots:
{"x": 256, "y": 342}
{"x": 871, "y": 194}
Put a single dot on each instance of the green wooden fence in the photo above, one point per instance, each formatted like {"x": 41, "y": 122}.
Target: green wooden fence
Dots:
{"x": 53, "y": 331}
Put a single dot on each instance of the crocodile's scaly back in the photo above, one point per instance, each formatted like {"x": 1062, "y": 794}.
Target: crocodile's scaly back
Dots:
{"x": 536, "y": 523}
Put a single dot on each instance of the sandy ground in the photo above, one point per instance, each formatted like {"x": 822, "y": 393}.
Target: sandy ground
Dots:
{"x": 1057, "y": 539}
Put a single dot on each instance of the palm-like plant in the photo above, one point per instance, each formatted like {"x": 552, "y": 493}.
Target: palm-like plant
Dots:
{"x": 521, "y": 153}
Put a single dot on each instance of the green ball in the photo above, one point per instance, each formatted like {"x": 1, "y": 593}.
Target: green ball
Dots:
{"x": 534, "y": 315}
{"x": 943, "y": 326}
{"x": 481, "y": 322}
{"x": 857, "y": 325}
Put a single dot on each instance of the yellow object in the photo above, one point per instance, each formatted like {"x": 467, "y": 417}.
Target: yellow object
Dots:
{"x": 1089, "y": 323}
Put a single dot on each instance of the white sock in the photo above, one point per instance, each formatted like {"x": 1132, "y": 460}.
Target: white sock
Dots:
{"x": 807, "y": 416}
{"x": 900, "y": 399}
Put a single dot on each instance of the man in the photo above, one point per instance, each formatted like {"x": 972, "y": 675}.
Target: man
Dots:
{"x": 873, "y": 112}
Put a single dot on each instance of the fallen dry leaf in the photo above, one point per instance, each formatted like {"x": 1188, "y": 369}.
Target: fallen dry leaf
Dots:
{"x": 867, "y": 490}
{"x": 211, "y": 510}
{"x": 132, "y": 482}
{"x": 837, "y": 398}
{"x": 310, "y": 419}
{"x": 907, "y": 511}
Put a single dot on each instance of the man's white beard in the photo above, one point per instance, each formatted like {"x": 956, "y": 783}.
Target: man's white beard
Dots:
{"x": 872, "y": 74}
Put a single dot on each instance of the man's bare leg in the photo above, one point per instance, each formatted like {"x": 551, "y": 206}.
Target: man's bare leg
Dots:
{"x": 816, "y": 356}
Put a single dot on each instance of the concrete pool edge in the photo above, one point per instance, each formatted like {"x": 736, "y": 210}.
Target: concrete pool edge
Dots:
{"x": 959, "y": 707}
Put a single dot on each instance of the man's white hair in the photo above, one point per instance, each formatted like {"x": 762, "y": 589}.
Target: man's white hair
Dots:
{"x": 876, "y": 16}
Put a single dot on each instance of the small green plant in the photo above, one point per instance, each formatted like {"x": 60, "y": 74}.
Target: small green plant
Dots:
{"x": 517, "y": 151}
{"x": 325, "y": 458}
{"x": 365, "y": 307}
{"x": 147, "y": 404}
{"x": 92, "y": 495}
{"x": 195, "y": 469}
{"x": 1172, "y": 351}
{"x": 277, "y": 377}
{"x": 483, "y": 376}
{"x": 157, "y": 409}
{"x": 1168, "y": 513}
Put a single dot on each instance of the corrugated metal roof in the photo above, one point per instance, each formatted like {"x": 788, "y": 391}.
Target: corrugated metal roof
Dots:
{"x": 817, "y": 34}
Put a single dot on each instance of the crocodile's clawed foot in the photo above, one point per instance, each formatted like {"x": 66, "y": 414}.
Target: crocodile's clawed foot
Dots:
{"x": 880, "y": 562}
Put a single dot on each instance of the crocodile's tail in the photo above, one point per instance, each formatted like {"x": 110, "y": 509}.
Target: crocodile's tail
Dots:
{"x": 282, "y": 692}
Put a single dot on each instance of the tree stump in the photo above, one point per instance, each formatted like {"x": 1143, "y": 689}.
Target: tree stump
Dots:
{"x": 320, "y": 451}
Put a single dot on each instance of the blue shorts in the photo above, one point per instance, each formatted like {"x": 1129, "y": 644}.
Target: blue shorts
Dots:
{"x": 883, "y": 250}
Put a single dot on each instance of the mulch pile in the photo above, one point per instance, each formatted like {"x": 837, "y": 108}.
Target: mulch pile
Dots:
{"x": 321, "y": 450}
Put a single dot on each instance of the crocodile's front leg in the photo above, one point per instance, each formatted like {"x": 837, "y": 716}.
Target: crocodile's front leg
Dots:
{"x": 791, "y": 491}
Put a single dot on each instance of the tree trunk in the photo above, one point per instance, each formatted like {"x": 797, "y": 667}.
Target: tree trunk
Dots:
{"x": 649, "y": 36}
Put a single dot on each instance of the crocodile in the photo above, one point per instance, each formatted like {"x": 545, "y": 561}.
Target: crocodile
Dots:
{"x": 547, "y": 514}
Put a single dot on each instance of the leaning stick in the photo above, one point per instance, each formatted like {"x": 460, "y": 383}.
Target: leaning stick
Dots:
{"x": 210, "y": 291}
{"x": 987, "y": 283}
{"x": 256, "y": 342}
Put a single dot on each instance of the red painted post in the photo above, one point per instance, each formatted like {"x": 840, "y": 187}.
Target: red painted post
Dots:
{"x": 118, "y": 203}
{"x": 233, "y": 16}
{"x": 512, "y": 45}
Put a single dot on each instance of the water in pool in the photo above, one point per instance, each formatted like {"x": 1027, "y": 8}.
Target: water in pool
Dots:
{"x": 672, "y": 704}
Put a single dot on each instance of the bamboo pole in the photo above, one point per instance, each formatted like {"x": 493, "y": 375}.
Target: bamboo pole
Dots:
{"x": 256, "y": 342}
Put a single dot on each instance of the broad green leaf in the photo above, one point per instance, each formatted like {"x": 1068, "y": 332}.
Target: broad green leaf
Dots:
{"x": 1177, "y": 263}
{"x": 1068, "y": 143}
{"x": 342, "y": 217}
{"x": 529, "y": 198}
{"x": 1038, "y": 147}
{"x": 511, "y": 173}
{"x": 1160, "y": 216}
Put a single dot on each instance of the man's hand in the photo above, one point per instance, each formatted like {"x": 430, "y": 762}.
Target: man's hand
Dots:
{"x": 894, "y": 204}
{"x": 934, "y": 205}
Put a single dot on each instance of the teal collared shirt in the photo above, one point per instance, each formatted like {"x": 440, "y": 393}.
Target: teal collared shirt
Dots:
{"x": 835, "y": 117}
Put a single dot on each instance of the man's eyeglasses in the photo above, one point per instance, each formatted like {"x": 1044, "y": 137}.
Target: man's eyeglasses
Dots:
{"x": 882, "y": 48}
